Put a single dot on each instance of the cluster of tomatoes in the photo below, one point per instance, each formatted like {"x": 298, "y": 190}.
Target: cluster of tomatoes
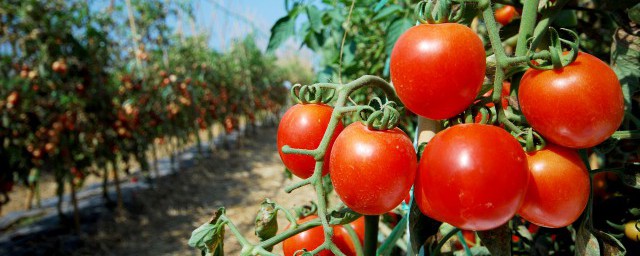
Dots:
{"x": 473, "y": 176}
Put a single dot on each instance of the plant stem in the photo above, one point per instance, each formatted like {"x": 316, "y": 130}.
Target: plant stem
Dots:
{"x": 289, "y": 232}
{"x": 371, "y": 234}
{"x": 626, "y": 135}
{"x": 354, "y": 239}
{"x": 241, "y": 239}
{"x": 527, "y": 24}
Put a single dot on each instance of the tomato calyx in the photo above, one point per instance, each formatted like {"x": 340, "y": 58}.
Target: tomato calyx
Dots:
{"x": 315, "y": 93}
{"x": 430, "y": 13}
{"x": 558, "y": 58}
{"x": 531, "y": 140}
{"x": 386, "y": 117}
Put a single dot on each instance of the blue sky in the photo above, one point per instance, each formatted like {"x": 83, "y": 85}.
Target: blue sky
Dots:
{"x": 227, "y": 19}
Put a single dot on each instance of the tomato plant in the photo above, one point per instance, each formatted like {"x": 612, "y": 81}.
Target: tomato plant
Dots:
{"x": 578, "y": 106}
{"x": 559, "y": 187}
{"x": 303, "y": 126}
{"x": 437, "y": 69}
{"x": 472, "y": 176}
{"x": 378, "y": 173}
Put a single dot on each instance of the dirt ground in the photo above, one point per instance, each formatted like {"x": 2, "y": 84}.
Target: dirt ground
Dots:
{"x": 159, "y": 221}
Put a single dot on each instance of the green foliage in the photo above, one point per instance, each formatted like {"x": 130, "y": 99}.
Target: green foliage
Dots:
{"x": 81, "y": 86}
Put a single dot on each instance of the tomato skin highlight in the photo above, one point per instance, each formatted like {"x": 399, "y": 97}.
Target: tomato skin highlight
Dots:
{"x": 578, "y": 106}
{"x": 438, "y": 69}
{"x": 303, "y": 126}
{"x": 372, "y": 171}
{"x": 559, "y": 187}
{"x": 472, "y": 176}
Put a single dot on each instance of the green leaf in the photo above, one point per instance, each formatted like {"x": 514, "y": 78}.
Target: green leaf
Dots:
{"x": 625, "y": 60}
{"x": 634, "y": 13}
{"x": 588, "y": 242}
{"x": 386, "y": 12}
{"x": 349, "y": 53}
{"x": 208, "y": 237}
{"x": 380, "y": 5}
{"x": 315, "y": 18}
{"x": 266, "y": 224}
{"x": 343, "y": 216}
{"x": 280, "y": 32}
{"x": 395, "y": 29}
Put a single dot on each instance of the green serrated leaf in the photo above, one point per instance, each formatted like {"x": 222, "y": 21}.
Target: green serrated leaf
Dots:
{"x": 208, "y": 237}
{"x": 280, "y": 32}
{"x": 386, "y": 12}
{"x": 315, "y": 18}
{"x": 343, "y": 216}
{"x": 625, "y": 60}
{"x": 395, "y": 29}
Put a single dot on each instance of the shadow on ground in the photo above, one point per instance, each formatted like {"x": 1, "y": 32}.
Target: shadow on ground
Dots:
{"x": 159, "y": 220}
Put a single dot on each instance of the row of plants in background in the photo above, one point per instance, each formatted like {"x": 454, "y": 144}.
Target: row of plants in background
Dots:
{"x": 84, "y": 88}
{"x": 535, "y": 138}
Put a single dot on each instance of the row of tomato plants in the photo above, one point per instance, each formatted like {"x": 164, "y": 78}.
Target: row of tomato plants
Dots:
{"x": 518, "y": 127}
{"x": 74, "y": 99}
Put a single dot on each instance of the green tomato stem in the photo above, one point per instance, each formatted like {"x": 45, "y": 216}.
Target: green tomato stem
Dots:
{"x": 289, "y": 233}
{"x": 463, "y": 241}
{"x": 527, "y": 25}
{"x": 354, "y": 239}
{"x": 232, "y": 227}
{"x": 626, "y": 135}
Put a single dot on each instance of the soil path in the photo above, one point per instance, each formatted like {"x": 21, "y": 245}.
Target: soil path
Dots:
{"x": 159, "y": 220}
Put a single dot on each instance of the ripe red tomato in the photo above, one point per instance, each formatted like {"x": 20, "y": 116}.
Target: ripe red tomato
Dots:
{"x": 314, "y": 237}
{"x": 372, "y": 171}
{"x": 309, "y": 239}
{"x": 472, "y": 176}
{"x": 578, "y": 106}
{"x": 303, "y": 126}
{"x": 438, "y": 69}
{"x": 342, "y": 239}
{"x": 504, "y": 15}
{"x": 558, "y": 189}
